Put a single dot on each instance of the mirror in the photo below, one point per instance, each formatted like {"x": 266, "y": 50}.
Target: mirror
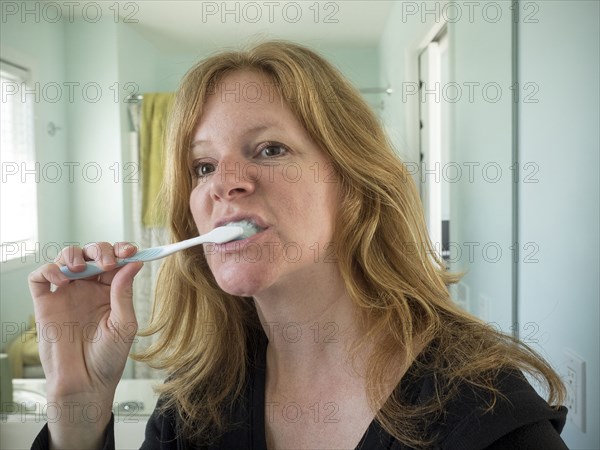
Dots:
{"x": 439, "y": 75}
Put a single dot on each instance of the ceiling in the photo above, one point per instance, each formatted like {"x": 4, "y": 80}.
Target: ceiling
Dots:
{"x": 184, "y": 25}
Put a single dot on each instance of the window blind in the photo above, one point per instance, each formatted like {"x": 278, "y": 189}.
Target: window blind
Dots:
{"x": 20, "y": 173}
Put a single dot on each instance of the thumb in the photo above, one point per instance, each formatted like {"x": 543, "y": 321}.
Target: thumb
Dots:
{"x": 122, "y": 314}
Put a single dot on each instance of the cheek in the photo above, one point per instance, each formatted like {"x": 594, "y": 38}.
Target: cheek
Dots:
{"x": 198, "y": 207}
{"x": 312, "y": 206}
{"x": 327, "y": 200}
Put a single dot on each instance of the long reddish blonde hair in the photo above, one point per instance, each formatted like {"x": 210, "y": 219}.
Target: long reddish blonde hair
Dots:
{"x": 386, "y": 262}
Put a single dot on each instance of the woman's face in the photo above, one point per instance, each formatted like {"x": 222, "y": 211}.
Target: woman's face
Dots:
{"x": 252, "y": 160}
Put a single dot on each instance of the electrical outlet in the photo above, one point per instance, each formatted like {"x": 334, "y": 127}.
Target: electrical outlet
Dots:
{"x": 575, "y": 382}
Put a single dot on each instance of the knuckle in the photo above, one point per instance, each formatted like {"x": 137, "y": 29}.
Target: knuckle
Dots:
{"x": 67, "y": 253}
{"x": 32, "y": 276}
{"x": 96, "y": 250}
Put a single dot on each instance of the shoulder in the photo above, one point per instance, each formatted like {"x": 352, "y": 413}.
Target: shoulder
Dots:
{"x": 161, "y": 429}
{"x": 518, "y": 414}
{"x": 164, "y": 429}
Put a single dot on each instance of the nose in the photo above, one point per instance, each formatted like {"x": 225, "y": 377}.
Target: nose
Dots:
{"x": 234, "y": 178}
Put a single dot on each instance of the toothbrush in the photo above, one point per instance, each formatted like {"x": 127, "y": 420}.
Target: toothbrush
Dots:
{"x": 219, "y": 235}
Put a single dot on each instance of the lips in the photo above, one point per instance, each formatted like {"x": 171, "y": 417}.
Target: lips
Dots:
{"x": 250, "y": 219}
{"x": 252, "y": 225}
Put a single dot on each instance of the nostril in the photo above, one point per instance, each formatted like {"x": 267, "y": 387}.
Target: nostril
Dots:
{"x": 241, "y": 188}
{"x": 231, "y": 180}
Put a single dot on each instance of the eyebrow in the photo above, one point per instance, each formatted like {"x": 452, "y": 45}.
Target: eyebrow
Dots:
{"x": 252, "y": 131}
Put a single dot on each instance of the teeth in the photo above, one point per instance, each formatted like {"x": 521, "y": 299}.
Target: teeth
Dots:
{"x": 250, "y": 228}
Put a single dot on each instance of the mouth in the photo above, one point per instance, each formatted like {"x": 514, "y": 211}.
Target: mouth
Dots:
{"x": 249, "y": 226}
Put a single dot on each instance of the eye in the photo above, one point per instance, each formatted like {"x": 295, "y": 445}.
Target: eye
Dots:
{"x": 200, "y": 169}
{"x": 271, "y": 150}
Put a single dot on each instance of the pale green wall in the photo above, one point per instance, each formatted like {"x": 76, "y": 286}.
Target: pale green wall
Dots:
{"x": 94, "y": 136}
{"x": 481, "y": 205}
{"x": 40, "y": 46}
{"x": 359, "y": 65}
{"x": 560, "y": 292}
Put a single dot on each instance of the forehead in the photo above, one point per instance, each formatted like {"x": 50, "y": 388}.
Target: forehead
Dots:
{"x": 244, "y": 98}
{"x": 244, "y": 87}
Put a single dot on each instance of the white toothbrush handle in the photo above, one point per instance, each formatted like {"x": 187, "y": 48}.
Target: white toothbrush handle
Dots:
{"x": 90, "y": 270}
{"x": 218, "y": 235}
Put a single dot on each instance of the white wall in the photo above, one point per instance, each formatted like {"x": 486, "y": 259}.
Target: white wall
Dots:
{"x": 560, "y": 292}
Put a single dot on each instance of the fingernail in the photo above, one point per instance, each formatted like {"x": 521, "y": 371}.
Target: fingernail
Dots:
{"x": 78, "y": 261}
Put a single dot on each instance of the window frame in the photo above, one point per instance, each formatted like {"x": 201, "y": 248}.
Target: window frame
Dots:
{"x": 26, "y": 67}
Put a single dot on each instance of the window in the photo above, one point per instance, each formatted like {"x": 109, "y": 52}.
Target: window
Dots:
{"x": 18, "y": 188}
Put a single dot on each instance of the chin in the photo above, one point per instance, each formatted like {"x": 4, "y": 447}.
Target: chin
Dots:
{"x": 238, "y": 290}
{"x": 237, "y": 281}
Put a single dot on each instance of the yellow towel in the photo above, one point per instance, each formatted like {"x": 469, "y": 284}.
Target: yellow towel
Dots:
{"x": 155, "y": 110}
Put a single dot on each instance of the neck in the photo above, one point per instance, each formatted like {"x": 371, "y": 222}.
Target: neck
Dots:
{"x": 310, "y": 327}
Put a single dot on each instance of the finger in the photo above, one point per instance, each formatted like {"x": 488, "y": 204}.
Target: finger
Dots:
{"x": 102, "y": 253}
{"x": 40, "y": 281}
{"x": 72, "y": 257}
{"x": 121, "y": 298}
{"x": 107, "y": 277}
{"x": 124, "y": 249}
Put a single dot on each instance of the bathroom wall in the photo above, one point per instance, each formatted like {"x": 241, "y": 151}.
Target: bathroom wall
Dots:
{"x": 560, "y": 291}
{"x": 557, "y": 209}
{"x": 40, "y": 46}
{"x": 94, "y": 137}
{"x": 481, "y": 146}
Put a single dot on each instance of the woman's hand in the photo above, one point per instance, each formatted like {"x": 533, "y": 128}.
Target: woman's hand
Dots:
{"x": 85, "y": 330}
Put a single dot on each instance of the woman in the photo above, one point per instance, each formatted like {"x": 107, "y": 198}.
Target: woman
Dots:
{"x": 331, "y": 327}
